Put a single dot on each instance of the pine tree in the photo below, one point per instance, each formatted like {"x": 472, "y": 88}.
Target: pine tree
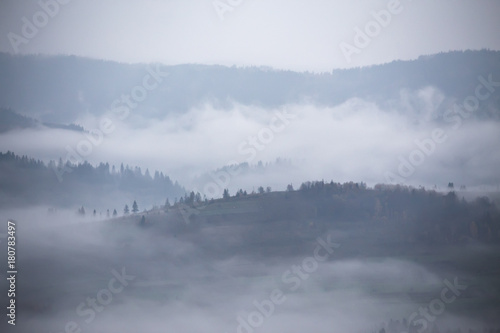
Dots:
{"x": 135, "y": 208}
{"x": 125, "y": 210}
{"x": 190, "y": 200}
{"x": 115, "y": 213}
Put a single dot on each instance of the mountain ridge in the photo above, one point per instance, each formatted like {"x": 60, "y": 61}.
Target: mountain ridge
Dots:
{"x": 60, "y": 88}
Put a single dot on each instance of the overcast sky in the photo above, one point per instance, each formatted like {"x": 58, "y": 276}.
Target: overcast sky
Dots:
{"x": 292, "y": 34}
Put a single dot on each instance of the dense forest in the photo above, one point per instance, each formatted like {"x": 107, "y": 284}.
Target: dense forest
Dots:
{"x": 26, "y": 181}
{"x": 404, "y": 214}
{"x": 416, "y": 214}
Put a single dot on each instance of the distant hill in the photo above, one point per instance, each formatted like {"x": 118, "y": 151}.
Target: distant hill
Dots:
{"x": 58, "y": 88}
{"x": 28, "y": 182}
{"x": 10, "y": 120}
{"x": 397, "y": 216}
{"x": 438, "y": 232}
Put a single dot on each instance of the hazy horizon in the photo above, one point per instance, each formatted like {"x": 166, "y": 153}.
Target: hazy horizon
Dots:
{"x": 297, "y": 35}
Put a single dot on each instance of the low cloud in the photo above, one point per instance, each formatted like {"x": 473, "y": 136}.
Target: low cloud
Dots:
{"x": 358, "y": 140}
{"x": 174, "y": 281}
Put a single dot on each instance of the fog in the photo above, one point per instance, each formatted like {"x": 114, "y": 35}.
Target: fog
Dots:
{"x": 173, "y": 282}
{"x": 393, "y": 142}
{"x": 247, "y": 166}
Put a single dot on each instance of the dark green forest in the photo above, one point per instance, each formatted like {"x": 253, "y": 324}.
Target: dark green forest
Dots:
{"x": 27, "y": 181}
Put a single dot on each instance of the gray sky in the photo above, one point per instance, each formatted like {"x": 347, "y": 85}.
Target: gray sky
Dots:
{"x": 291, "y": 34}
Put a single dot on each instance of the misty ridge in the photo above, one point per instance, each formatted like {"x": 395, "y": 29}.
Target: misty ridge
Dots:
{"x": 102, "y": 112}
{"x": 152, "y": 198}
{"x": 59, "y": 88}
{"x": 30, "y": 182}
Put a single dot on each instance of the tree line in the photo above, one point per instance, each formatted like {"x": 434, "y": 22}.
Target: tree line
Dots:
{"x": 27, "y": 181}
